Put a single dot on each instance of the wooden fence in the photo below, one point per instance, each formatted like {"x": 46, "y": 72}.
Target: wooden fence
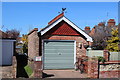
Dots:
{"x": 113, "y": 56}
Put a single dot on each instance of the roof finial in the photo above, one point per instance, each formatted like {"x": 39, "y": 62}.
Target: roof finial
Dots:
{"x": 63, "y": 10}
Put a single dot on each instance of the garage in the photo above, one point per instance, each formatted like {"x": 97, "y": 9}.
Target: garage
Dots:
{"x": 59, "y": 54}
{"x": 7, "y": 51}
{"x": 60, "y": 43}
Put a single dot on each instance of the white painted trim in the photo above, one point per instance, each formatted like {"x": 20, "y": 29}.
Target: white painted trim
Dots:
{"x": 42, "y": 54}
{"x": 74, "y": 54}
{"x": 12, "y": 52}
{"x": 70, "y": 23}
{"x": 51, "y": 26}
{"x": 78, "y": 29}
{"x": 7, "y": 40}
{"x": 58, "y": 40}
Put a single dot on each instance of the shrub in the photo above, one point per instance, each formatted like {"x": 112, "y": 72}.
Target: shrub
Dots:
{"x": 101, "y": 59}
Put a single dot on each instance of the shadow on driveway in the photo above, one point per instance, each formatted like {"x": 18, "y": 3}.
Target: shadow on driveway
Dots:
{"x": 47, "y": 75}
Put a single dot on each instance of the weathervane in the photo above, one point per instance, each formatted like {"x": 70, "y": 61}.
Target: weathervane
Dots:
{"x": 63, "y": 10}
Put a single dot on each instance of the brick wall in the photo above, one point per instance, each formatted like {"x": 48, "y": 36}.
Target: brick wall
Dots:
{"x": 14, "y": 65}
{"x": 110, "y": 74}
{"x": 33, "y": 48}
{"x": 33, "y": 43}
{"x": 93, "y": 68}
{"x": 84, "y": 60}
{"x": 9, "y": 71}
{"x": 110, "y": 69}
{"x": 37, "y": 69}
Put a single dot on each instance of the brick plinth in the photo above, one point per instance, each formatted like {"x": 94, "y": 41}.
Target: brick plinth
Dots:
{"x": 37, "y": 69}
{"x": 93, "y": 68}
{"x": 106, "y": 55}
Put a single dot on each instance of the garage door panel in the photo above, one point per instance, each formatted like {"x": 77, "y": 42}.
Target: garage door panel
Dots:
{"x": 59, "y": 47}
{"x": 60, "y": 61}
{"x": 49, "y": 43}
{"x": 55, "y": 51}
{"x": 64, "y": 58}
{"x": 59, "y": 67}
{"x": 58, "y": 64}
{"x": 58, "y": 54}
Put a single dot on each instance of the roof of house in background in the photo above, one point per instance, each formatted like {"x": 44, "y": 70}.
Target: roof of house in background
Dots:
{"x": 3, "y": 34}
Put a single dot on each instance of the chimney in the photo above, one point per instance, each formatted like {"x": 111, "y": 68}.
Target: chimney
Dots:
{"x": 101, "y": 24}
{"x": 111, "y": 22}
{"x": 87, "y": 28}
{"x": 35, "y": 29}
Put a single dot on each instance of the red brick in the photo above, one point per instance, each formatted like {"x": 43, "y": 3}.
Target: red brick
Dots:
{"x": 110, "y": 74}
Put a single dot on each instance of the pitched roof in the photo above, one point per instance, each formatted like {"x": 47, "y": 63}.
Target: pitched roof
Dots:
{"x": 53, "y": 20}
{"x": 63, "y": 18}
{"x": 62, "y": 28}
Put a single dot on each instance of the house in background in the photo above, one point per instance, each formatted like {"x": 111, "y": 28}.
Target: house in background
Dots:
{"x": 60, "y": 43}
{"x": 102, "y": 28}
{"x": 101, "y": 33}
{"x": 7, "y": 46}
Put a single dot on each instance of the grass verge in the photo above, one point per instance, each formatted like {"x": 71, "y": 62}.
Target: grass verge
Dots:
{"x": 28, "y": 70}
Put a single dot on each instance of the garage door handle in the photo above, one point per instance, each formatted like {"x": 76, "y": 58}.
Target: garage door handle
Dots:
{"x": 59, "y": 53}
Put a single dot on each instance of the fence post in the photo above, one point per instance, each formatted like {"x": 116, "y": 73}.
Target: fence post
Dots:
{"x": 88, "y": 50}
{"x": 106, "y": 55}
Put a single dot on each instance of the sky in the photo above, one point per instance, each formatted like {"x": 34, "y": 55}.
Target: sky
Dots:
{"x": 25, "y": 16}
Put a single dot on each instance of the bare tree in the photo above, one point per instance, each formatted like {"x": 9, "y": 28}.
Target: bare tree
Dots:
{"x": 99, "y": 41}
{"x": 101, "y": 34}
{"x": 13, "y": 33}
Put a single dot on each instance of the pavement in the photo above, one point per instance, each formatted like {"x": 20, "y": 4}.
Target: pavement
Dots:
{"x": 6, "y": 71}
{"x": 63, "y": 74}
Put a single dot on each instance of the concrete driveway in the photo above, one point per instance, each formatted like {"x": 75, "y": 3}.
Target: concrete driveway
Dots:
{"x": 63, "y": 74}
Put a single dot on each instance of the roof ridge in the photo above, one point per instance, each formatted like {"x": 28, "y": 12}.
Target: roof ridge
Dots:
{"x": 56, "y": 18}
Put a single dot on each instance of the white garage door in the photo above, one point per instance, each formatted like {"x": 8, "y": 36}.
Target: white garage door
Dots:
{"x": 58, "y": 54}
